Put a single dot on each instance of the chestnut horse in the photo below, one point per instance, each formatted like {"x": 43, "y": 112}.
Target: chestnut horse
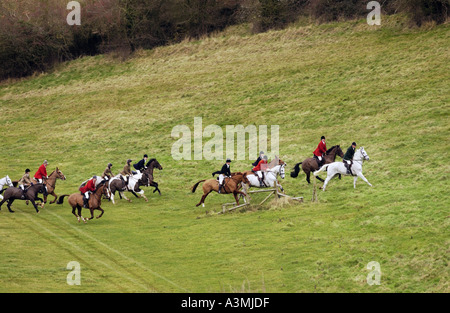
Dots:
{"x": 230, "y": 185}
{"x": 50, "y": 183}
{"x": 310, "y": 164}
{"x": 95, "y": 201}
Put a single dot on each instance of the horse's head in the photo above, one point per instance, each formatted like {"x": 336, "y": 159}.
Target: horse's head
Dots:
{"x": 364, "y": 153}
{"x": 282, "y": 170}
{"x": 339, "y": 151}
{"x": 155, "y": 164}
{"x": 8, "y": 181}
{"x": 60, "y": 174}
{"x": 102, "y": 188}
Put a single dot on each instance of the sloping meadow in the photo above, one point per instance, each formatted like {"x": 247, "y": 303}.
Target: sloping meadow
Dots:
{"x": 384, "y": 87}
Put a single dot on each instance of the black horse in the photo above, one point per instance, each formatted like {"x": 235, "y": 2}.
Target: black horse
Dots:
{"x": 31, "y": 194}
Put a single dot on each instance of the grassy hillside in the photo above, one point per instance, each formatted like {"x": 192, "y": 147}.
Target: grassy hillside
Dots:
{"x": 384, "y": 87}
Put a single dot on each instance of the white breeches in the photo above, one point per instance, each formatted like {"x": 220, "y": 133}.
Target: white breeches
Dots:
{"x": 221, "y": 178}
{"x": 86, "y": 194}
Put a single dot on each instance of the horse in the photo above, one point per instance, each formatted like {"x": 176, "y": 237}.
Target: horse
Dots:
{"x": 339, "y": 168}
{"x": 5, "y": 181}
{"x": 95, "y": 201}
{"x": 309, "y": 165}
{"x": 270, "y": 176}
{"x": 151, "y": 164}
{"x": 231, "y": 185}
{"x": 135, "y": 181}
{"x": 50, "y": 183}
{"x": 14, "y": 193}
{"x": 142, "y": 179}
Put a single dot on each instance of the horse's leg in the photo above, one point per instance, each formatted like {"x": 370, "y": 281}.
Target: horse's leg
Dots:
{"x": 10, "y": 201}
{"x": 73, "y": 212}
{"x": 123, "y": 196}
{"x": 360, "y": 174}
{"x": 320, "y": 179}
{"x": 54, "y": 195}
{"x": 202, "y": 201}
{"x": 354, "y": 181}
{"x": 142, "y": 193}
{"x": 135, "y": 194}
{"x": 35, "y": 206}
{"x": 101, "y": 210}
{"x": 235, "y": 193}
{"x": 1, "y": 203}
{"x": 326, "y": 182}
{"x": 92, "y": 214}
{"x": 79, "y": 213}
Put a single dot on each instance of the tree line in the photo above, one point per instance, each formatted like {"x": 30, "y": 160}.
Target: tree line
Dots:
{"x": 34, "y": 35}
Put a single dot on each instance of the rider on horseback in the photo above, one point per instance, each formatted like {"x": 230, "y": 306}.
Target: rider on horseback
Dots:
{"x": 224, "y": 172}
{"x": 348, "y": 158}
{"x": 25, "y": 181}
{"x": 140, "y": 166}
{"x": 259, "y": 171}
{"x": 261, "y": 155}
{"x": 41, "y": 173}
{"x": 107, "y": 174}
{"x": 320, "y": 151}
{"x": 86, "y": 191}
{"x": 126, "y": 172}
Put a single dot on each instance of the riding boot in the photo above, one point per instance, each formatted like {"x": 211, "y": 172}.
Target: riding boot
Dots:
{"x": 85, "y": 203}
{"x": 24, "y": 196}
{"x": 220, "y": 188}
{"x": 261, "y": 184}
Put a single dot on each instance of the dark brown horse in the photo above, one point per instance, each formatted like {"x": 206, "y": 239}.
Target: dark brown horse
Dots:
{"x": 152, "y": 164}
{"x": 310, "y": 165}
{"x": 95, "y": 201}
{"x": 31, "y": 194}
{"x": 230, "y": 185}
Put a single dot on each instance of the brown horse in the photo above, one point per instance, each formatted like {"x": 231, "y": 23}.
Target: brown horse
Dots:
{"x": 31, "y": 194}
{"x": 311, "y": 165}
{"x": 51, "y": 183}
{"x": 95, "y": 201}
{"x": 231, "y": 185}
{"x": 151, "y": 164}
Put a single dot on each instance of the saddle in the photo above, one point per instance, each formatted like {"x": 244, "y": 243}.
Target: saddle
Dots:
{"x": 349, "y": 167}
{"x": 319, "y": 163}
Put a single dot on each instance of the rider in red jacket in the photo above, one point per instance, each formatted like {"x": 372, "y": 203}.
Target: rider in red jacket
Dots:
{"x": 259, "y": 173}
{"x": 87, "y": 189}
{"x": 41, "y": 172}
{"x": 320, "y": 150}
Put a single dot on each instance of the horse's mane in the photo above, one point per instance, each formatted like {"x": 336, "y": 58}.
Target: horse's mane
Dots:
{"x": 329, "y": 150}
{"x": 150, "y": 161}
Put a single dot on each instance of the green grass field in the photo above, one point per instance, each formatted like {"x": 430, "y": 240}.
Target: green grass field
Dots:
{"x": 384, "y": 87}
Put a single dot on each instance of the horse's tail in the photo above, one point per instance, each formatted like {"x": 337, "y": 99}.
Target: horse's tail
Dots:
{"x": 323, "y": 168}
{"x": 1, "y": 191}
{"x": 61, "y": 199}
{"x": 296, "y": 170}
{"x": 196, "y": 185}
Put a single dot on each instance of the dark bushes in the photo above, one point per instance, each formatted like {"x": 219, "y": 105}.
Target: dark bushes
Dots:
{"x": 34, "y": 35}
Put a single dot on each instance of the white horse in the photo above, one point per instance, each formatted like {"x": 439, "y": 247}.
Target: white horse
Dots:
{"x": 339, "y": 168}
{"x": 270, "y": 177}
{"x": 5, "y": 181}
{"x": 131, "y": 184}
